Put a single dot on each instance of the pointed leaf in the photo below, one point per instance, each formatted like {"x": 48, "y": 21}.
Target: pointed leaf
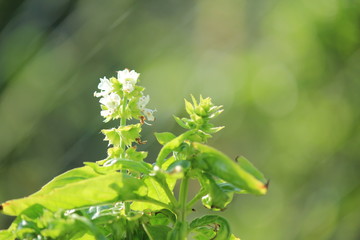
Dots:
{"x": 221, "y": 166}
{"x": 181, "y": 123}
{"x": 164, "y": 137}
{"x": 71, "y": 176}
{"x": 189, "y": 107}
{"x": 172, "y": 145}
{"x": 93, "y": 191}
{"x": 250, "y": 168}
{"x": 112, "y": 136}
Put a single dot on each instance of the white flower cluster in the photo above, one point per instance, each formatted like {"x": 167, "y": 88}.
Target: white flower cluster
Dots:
{"x": 111, "y": 100}
{"x": 128, "y": 79}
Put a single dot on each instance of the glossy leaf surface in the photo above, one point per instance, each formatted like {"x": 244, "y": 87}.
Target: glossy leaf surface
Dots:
{"x": 97, "y": 190}
{"x": 218, "y": 164}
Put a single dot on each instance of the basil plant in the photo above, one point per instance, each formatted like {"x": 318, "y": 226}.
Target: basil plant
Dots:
{"x": 125, "y": 197}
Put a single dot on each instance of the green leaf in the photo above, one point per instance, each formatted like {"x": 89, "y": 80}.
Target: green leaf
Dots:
{"x": 127, "y": 134}
{"x": 217, "y": 197}
{"x": 222, "y": 233}
{"x": 172, "y": 145}
{"x": 134, "y": 155}
{"x": 112, "y": 136}
{"x": 163, "y": 217}
{"x": 156, "y": 232}
{"x": 6, "y": 235}
{"x": 114, "y": 152}
{"x": 155, "y": 191}
{"x": 184, "y": 165}
{"x": 204, "y": 233}
{"x": 250, "y": 168}
{"x": 71, "y": 176}
{"x": 164, "y": 137}
{"x": 93, "y": 191}
{"x": 181, "y": 123}
{"x": 233, "y": 237}
{"x": 189, "y": 107}
{"x": 178, "y": 168}
{"x": 175, "y": 233}
{"x": 111, "y": 165}
{"x": 214, "y": 129}
{"x": 218, "y": 164}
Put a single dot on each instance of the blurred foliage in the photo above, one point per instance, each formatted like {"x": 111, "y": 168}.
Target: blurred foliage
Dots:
{"x": 287, "y": 73}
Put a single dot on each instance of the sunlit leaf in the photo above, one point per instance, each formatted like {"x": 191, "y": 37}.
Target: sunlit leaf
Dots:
{"x": 172, "y": 145}
{"x": 6, "y": 235}
{"x": 164, "y": 137}
{"x": 155, "y": 191}
{"x": 111, "y": 165}
{"x": 250, "y": 168}
{"x": 97, "y": 190}
{"x": 220, "y": 165}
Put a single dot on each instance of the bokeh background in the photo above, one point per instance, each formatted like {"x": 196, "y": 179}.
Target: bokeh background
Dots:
{"x": 287, "y": 73}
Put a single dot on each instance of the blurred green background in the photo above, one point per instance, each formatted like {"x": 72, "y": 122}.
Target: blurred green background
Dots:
{"x": 287, "y": 73}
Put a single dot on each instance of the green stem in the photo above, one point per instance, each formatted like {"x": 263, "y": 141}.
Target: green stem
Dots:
{"x": 122, "y": 145}
{"x": 197, "y": 197}
{"x": 182, "y": 199}
{"x": 122, "y": 124}
{"x": 168, "y": 192}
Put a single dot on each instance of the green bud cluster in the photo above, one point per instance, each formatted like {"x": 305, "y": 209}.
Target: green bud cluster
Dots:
{"x": 200, "y": 115}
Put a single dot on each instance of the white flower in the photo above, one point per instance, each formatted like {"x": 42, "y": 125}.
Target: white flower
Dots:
{"x": 128, "y": 79}
{"x": 148, "y": 114}
{"x": 111, "y": 102}
{"x": 128, "y": 87}
{"x": 143, "y": 101}
{"x": 105, "y": 87}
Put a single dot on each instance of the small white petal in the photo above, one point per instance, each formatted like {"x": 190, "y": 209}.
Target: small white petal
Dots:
{"x": 149, "y": 114}
{"x": 105, "y": 113}
{"x": 143, "y": 101}
{"x": 111, "y": 102}
{"x": 128, "y": 79}
{"x": 128, "y": 87}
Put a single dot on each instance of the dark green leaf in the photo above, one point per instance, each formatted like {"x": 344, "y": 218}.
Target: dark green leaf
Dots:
{"x": 217, "y": 197}
{"x": 156, "y": 232}
{"x": 220, "y": 226}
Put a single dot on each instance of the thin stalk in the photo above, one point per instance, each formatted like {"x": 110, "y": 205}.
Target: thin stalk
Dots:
{"x": 197, "y": 197}
{"x": 122, "y": 124}
{"x": 122, "y": 145}
{"x": 168, "y": 192}
{"x": 182, "y": 199}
